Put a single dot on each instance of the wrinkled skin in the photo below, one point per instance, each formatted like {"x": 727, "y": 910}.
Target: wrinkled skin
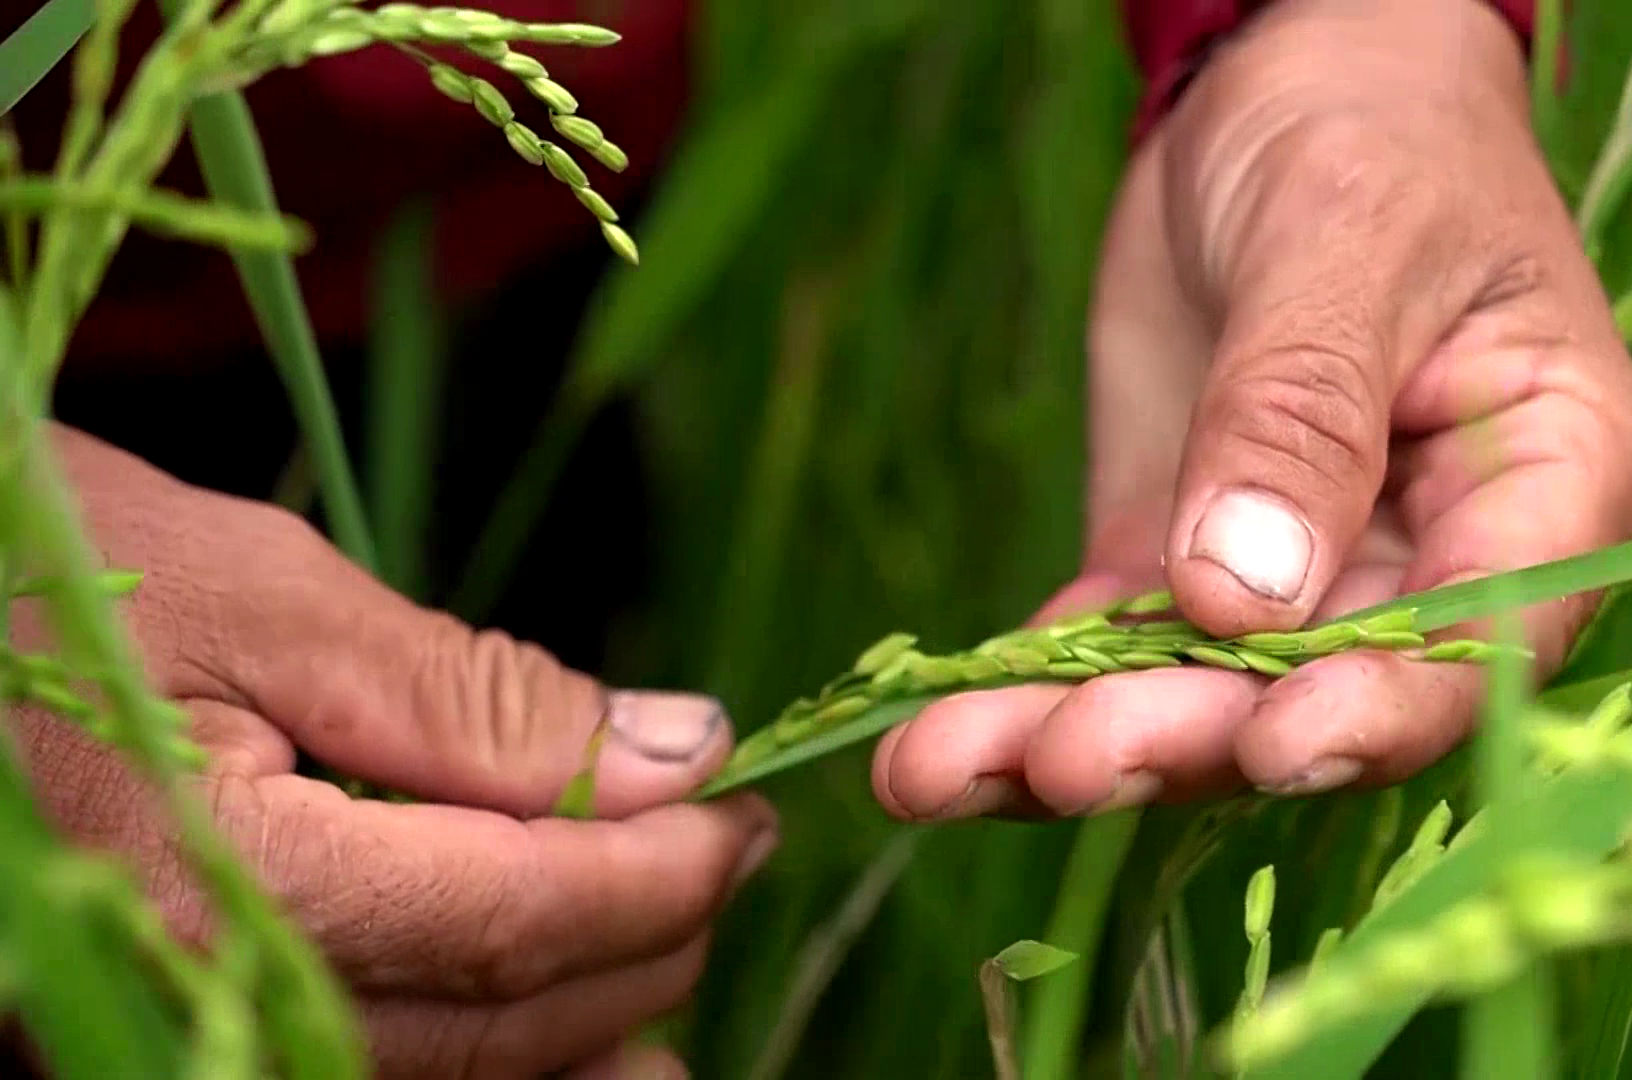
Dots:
{"x": 1345, "y": 345}
{"x": 480, "y": 936}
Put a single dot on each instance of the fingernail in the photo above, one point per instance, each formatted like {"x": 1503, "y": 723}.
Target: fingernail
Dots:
{"x": 984, "y": 795}
{"x": 1324, "y": 775}
{"x": 754, "y": 856}
{"x": 1260, "y": 539}
{"x": 663, "y": 726}
{"x": 1132, "y": 789}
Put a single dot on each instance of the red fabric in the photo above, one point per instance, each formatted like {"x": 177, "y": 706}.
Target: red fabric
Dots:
{"x": 1169, "y": 38}
{"x": 347, "y": 140}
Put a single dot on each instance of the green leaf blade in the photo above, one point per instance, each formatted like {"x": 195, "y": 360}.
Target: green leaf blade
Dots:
{"x": 1026, "y": 960}
{"x": 37, "y": 46}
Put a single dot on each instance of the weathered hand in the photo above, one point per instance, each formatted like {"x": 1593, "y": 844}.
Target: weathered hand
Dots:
{"x": 480, "y": 936}
{"x": 1345, "y": 345}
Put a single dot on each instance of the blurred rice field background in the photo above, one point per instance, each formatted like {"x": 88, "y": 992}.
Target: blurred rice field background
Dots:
{"x": 853, "y": 366}
{"x": 843, "y": 395}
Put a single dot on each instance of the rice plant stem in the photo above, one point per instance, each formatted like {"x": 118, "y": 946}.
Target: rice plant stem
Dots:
{"x": 14, "y": 222}
{"x": 161, "y": 212}
{"x": 234, "y": 168}
{"x": 37, "y": 46}
{"x": 405, "y": 372}
{"x": 1544, "y": 89}
{"x": 1057, "y": 1007}
{"x": 1610, "y": 177}
{"x": 819, "y": 960}
{"x": 997, "y": 994}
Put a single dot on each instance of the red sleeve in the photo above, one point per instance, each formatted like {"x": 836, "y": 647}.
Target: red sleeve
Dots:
{"x": 1170, "y": 38}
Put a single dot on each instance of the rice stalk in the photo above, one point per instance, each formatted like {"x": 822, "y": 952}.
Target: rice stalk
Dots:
{"x": 894, "y": 672}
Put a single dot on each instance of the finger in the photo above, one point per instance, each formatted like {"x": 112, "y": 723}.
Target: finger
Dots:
{"x": 418, "y": 701}
{"x": 963, "y": 756}
{"x": 246, "y": 604}
{"x": 94, "y": 794}
{"x": 1289, "y": 744}
{"x": 1343, "y": 282}
{"x": 1357, "y": 718}
{"x": 1376, "y": 718}
{"x": 1553, "y": 447}
{"x": 1553, "y": 442}
{"x": 547, "y": 1032}
{"x": 632, "y": 1061}
{"x": 466, "y": 903}
{"x": 1116, "y": 741}
{"x": 1125, "y": 740}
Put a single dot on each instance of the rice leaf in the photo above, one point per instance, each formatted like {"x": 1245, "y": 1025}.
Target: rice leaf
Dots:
{"x": 234, "y": 168}
{"x": 1509, "y": 1032}
{"x": 37, "y": 46}
{"x": 1544, "y": 88}
{"x": 406, "y": 372}
{"x": 229, "y": 155}
{"x": 1606, "y": 1021}
{"x": 1026, "y": 960}
{"x": 164, "y": 214}
{"x": 824, "y": 952}
{"x": 82, "y": 992}
{"x": 1581, "y": 811}
{"x": 1448, "y": 605}
{"x": 1430, "y": 610}
{"x": 720, "y": 182}
{"x": 866, "y": 726}
{"x": 1057, "y": 1008}
{"x": 1611, "y": 175}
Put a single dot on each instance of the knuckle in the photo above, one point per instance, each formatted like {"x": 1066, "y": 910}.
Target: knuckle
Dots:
{"x": 1600, "y": 441}
{"x": 1342, "y": 179}
{"x": 1513, "y": 276}
{"x": 1313, "y": 415}
{"x": 502, "y": 701}
{"x": 502, "y": 965}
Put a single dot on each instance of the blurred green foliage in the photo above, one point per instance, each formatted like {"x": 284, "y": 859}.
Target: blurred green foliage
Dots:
{"x": 872, "y": 419}
{"x": 868, "y": 415}
{"x": 855, "y": 345}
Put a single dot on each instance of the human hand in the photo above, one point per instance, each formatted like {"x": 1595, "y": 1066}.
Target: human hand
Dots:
{"x": 1345, "y": 346}
{"x": 480, "y": 936}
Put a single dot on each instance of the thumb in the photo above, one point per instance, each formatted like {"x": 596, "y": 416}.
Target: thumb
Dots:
{"x": 1285, "y": 457}
{"x": 246, "y": 604}
{"x": 1288, "y": 443}
{"x": 419, "y": 702}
